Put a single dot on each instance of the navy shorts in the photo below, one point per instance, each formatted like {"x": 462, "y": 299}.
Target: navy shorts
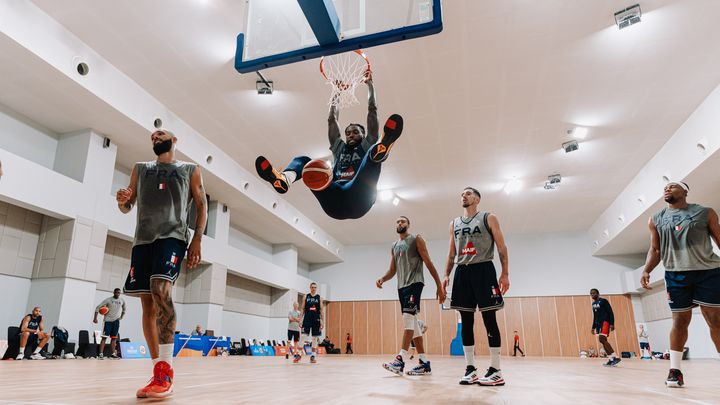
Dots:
{"x": 603, "y": 328}
{"x": 311, "y": 327}
{"x": 293, "y": 335}
{"x": 112, "y": 329}
{"x": 410, "y": 298}
{"x": 688, "y": 289}
{"x": 158, "y": 260}
{"x": 475, "y": 286}
{"x": 644, "y": 345}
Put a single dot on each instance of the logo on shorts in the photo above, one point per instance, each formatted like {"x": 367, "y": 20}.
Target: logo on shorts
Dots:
{"x": 412, "y": 299}
{"x": 173, "y": 261}
{"x": 670, "y": 301}
{"x": 132, "y": 275}
{"x": 678, "y": 228}
{"x": 469, "y": 249}
{"x": 162, "y": 186}
{"x": 495, "y": 292}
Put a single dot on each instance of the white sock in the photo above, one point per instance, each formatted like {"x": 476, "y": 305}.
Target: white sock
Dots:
{"x": 290, "y": 176}
{"x": 612, "y": 356}
{"x": 469, "y": 355}
{"x": 495, "y": 358}
{"x": 22, "y": 350}
{"x": 37, "y": 350}
{"x": 675, "y": 358}
{"x": 155, "y": 361}
{"x": 166, "y": 353}
{"x": 403, "y": 354}
{"x": 423, "y": 358}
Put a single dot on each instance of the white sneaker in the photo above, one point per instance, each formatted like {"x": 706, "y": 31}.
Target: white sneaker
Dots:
{"x": 37, "y": 356}
{"x": 20, "y": 356}
{"x": 470, "y": 376}
{"x": 492, "y": 377}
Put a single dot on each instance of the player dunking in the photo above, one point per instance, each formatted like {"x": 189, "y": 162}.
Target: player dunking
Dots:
{"x": 407, "y": 256}
{"x": 312, "y": 322}
{"x": 680, "y": 235}
{"x": 163, "y": 190}
{"x": 473, "y": 237}
{"x": 603, "y": 324}
{"x": 358, "y": 160}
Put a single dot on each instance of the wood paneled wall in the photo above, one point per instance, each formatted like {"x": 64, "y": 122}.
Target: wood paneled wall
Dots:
{"x": 548, "y": 326}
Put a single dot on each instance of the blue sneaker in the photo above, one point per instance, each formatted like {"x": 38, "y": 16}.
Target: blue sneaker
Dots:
{"x": 612, "y": 362}
{"x": 397, "y": 366}
{"x": 421, "y": 369}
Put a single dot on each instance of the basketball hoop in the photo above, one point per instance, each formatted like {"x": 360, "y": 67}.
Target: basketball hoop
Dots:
{"x": 343, "y": 72}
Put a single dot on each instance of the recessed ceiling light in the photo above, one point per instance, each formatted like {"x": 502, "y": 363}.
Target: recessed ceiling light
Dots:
{"x": 628, "y": 16}
{"x": 570, "y": 146}
{"x": 395, "y": 201}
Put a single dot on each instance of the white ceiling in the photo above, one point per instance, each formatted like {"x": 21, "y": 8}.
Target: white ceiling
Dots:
{"x": 487, "y": 99}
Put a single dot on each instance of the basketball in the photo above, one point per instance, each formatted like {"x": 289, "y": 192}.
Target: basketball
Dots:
{"x": 103, "y": 310}
{"x": 317, "y": 175}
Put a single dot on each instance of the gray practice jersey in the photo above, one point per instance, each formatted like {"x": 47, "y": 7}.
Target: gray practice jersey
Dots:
{"x": 292, "y": 325}
{"x": 473, "y": 241}
{"x": 116, "y": 307}
{"x": 163, "y": 201}
{"x": 408, "y": 263}
{"x": 685, "y": 238}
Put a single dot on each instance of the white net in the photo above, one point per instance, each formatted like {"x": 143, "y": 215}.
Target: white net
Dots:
{"x": 343, "y": 72}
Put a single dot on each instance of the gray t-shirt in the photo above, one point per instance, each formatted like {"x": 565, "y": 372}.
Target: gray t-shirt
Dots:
{"x": 292, "y": 325}
{"x": 408, "y": 263}
{"x": 163, "y": 201}
{"x": 473, "y": 241}
{"x": 685, "y": 238}
{"x": 116, "y": 307}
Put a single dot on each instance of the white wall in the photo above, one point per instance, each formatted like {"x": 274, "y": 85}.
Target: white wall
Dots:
{"x": 14, "y": 292}
{"x": 31, "y": 142}
{"x": 238, "y": 325}
{"x": 699, "y": 341}
{"x": 121, "y": 179}
{"x": 540, "y": 265}
{"x": 243, "y": 241}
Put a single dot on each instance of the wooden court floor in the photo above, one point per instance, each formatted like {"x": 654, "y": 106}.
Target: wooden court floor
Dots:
{"x": 356, "y": 380}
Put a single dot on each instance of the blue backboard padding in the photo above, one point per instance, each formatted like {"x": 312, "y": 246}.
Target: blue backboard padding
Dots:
{"x": 323, "y": 20}
{"x": 399, "y": 34}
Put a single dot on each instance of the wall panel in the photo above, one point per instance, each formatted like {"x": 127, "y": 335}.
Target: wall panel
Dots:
{"x": 360, "y": 327}
{"x": 548, "y": 326}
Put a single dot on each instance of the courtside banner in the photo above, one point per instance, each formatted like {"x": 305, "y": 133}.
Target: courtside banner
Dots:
{"x": 134, "y": 350}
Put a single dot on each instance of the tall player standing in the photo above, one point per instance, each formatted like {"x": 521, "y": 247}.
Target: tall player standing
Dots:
{"x": 406, "y": 260}
{"x": 473, "y": 237}
{"x": 163, "y": 189}
{"x": 312, "y": 322}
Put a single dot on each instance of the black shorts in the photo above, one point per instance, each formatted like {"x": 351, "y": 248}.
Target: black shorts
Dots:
{"x": 644, "y": 345}
{"x": 293, "y": 335}
{"x": 111, "y": 329}
{"x": 311, "y": 327}
{"x": 410, "y": 298}
{"x": 475, "y": 286}
{"x": 688, "y": 289}
{"x": 158, "y": 260}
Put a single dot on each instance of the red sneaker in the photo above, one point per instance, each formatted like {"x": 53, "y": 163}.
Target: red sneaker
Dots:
{"x": 160, "y": 385}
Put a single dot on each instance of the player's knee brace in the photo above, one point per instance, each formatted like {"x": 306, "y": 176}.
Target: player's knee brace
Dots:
{"x": 417, "y": 332}
{"x": 468, "y": 323}
{"x": 409, "y": 321}
{"x": 491, "y": 326}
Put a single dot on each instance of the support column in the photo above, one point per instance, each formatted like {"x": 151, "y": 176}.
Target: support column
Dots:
{"x": 67, "y": 267}
{"x": 218, "y": 223}
{"x": 85, "y": 157}
{"x": 204, "y": 298}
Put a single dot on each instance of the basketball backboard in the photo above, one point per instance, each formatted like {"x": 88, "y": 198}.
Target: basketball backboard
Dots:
{"x": 279, "y": 32}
